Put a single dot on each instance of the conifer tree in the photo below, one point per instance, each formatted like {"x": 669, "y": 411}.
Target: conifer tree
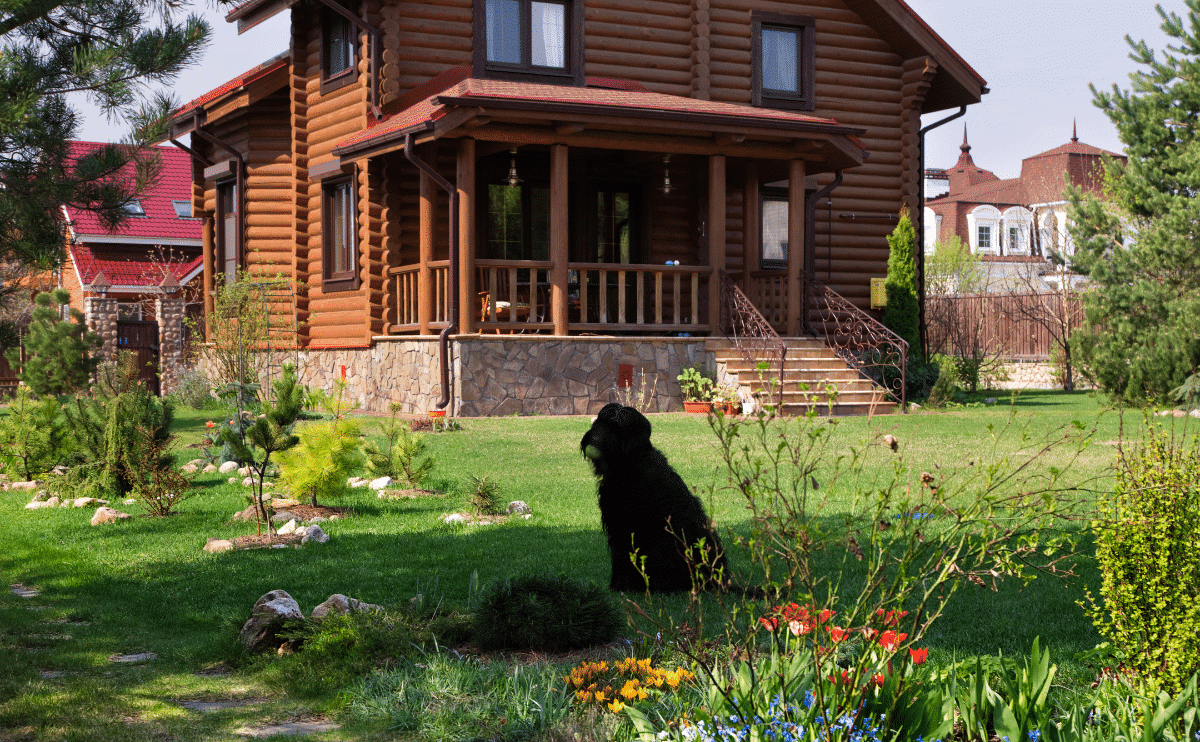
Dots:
{"x": 1140, "y": 247}
{"x": 58, "y": 352}
{"x": 902, "y": 315}
{"x": 108, "y": 50}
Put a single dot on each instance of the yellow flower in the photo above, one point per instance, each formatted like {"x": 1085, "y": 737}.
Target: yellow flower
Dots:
{"x": 600, "y": 696}
{"x": 616, "y": 707}
{"x": 583, "y": 696}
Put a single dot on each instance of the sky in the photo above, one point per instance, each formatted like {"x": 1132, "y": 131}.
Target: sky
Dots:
{"x": 1037, "y": 56}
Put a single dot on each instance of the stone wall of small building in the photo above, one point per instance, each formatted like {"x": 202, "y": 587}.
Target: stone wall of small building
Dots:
{"x": 508, "y": 374}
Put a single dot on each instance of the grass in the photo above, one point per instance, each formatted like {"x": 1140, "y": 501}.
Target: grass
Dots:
{"x": 146, "y": 585}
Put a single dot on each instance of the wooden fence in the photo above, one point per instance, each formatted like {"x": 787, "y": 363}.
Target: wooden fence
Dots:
{"x": 1001, "y": 323}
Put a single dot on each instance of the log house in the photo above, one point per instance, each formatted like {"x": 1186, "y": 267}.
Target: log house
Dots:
{"x": 565, "y": 178}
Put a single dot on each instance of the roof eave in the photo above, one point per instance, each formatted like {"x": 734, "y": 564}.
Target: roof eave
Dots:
{"x": 253, "y": 12}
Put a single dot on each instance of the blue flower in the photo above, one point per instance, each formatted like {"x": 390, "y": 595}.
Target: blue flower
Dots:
{"x": 1034, "y": 736}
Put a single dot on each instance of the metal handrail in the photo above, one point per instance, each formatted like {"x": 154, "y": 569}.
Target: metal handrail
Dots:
{"x": 749, "y": 331}
{"x": 860, "y": 340}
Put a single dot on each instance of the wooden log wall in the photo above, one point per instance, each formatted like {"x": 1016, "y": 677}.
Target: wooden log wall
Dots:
{"x": 422, "y": 40}
{"x": 301, "y": 211}
{"x": 268, "y": 210}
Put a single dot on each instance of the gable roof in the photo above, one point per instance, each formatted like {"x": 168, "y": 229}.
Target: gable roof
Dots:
{"x": 256, "y": 73}
{"x": 160, "y": 225}
{"x": 126, "y": 270}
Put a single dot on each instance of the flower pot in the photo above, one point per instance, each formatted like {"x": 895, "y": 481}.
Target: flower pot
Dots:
{"x": 701, "y": 407}
{"x": 437, "y": 413}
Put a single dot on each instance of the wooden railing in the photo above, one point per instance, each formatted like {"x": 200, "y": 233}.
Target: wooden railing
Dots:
{"x": 658, "y": 298}
{"x": 407, "y": 295}
{"x": 515, "y": 296}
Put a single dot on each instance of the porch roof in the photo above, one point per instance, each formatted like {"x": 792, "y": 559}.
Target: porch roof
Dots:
{"x": 606, "y": 113}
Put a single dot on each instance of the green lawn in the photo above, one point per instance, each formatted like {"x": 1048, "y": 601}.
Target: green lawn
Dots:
{"x": 146, "y": 586}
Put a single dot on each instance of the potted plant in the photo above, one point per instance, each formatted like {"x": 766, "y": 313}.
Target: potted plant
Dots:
{"x": 696, "y": 388}
{"x": 726, "y": 398}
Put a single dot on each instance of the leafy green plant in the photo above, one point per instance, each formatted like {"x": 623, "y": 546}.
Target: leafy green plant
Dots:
{"x": 269, "y": 433}
{"x": 402, "y": 457}
{"x": 150, "y": 469}
{"x": 58, "y": 352}
{"x": 550, "y": 614}
{"x": 33, "y": 435}
{"x": 909, "y": 542}
{"x": 194, "y": 389}
{"x": 695, "y": 384}
{"x": 485, "y": 496}
{"x": 1148, "y": 550}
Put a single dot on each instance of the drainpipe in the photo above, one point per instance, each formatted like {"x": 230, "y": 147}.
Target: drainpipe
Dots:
{"x": 452, "y": 269}
{"x": 810, "y": 207}
{"x": 920, "y": 219}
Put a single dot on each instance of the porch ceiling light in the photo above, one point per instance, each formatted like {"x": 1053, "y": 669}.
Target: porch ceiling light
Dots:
{"x": 513, "y": 179}
{"x": 666, "y": 187}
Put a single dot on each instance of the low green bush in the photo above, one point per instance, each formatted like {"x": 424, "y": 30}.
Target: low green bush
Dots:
{"x": 550, "y": 614}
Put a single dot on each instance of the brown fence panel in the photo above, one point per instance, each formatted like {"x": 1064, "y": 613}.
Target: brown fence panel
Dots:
{"x": 1001, "y": 323}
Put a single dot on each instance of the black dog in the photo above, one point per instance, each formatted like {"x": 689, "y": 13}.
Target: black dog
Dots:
{"x": 648, "y": 511}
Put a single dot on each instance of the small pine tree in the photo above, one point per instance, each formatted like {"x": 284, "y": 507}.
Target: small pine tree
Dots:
{"x": 902, "y": 315}
{"x": 319, "y": 464}
{"x": 58, "y": 351}
{"x": 270, "y": 432}
{"x": 399, "y": 458}
{"x": 33, "y": 435}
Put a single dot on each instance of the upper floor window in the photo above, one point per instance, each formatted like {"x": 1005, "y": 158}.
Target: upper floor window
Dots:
{"x": 983, "y": 229}
{"x": 783, "y": 53}
{"x": 530, "y": 39}
{"x": 134, "y": 208}
{"x": 183, "y": 208}
{"x": 339, "y": 235}
{"x": 339, "y": 50}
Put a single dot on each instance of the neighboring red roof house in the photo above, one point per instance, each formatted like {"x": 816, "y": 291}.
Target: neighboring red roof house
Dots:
{"x": 160, "y": 237}
{"x": 1018, "y": 220}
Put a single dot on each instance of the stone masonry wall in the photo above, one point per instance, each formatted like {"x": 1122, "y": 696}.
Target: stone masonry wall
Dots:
{"x": 508, "y": 375}
{"x": 100, "y": 314}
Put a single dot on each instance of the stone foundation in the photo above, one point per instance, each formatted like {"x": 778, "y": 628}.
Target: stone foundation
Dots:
{"x": 1033, "y": 375}
{"x": 508, "y": 374}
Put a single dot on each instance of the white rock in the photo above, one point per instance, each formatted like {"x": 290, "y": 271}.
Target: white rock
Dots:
{"x": 314, "y": 534}
{"x": 35, "y": 505}
{"x": 248, "y": 482}
{"x": 56, "y": 501}
{"x": 356, "y": 482}
{"x": 83, "y": 502}
{"x": 107, "y": 515}
{"x": 339, "y": 604}
{"x": 227, "y": 467}
{"x": 232, "y": 480}
{"x": 518, "y": 506}
{"x": 378, "y": 484}
{"x": 454, "y": 518}
{"x": 244, "y": 471}
{"x": 209, "y": 469}
{"x": 130, "y": 501}
{"x": 289, "y": 527}
{"x": 218, "y": 545}
{"x": 1194, "y": 413}
{"x": 25, "y": 485}
{"x": 268, "y": 485}
{"x": 189, "y": 469}
{"x": 196, "y": 462}
{"x": 527, "y": 516}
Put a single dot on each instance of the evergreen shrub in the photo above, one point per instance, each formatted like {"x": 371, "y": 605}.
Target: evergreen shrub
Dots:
{"x": 58, "y": 352}
{"x": 1148, "y": 549}
{"x": 551, "y": 614}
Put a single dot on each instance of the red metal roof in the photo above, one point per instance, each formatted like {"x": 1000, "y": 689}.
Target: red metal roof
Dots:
{"x": 126, "y": 267}
{"x": 160, "y": 222}
{"x": 247, "y": 77}
{"x": 607, "y": 93}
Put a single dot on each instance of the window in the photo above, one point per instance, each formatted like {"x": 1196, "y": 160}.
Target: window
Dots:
{"x": 134, "y": 208}
{"x": 339, "y": 233}
{"x": 985, "y": 237}
{"x": 530, "y": 39}
{"x": 774, "y": 223}
{"x": 518, "y": 224}
{"x": 339, "y": 51}
{"x": 183, "y": 208}
{"x": 782, "y": 54}
{"x": 129, "y": 312}
{"x": 228, "y": 231}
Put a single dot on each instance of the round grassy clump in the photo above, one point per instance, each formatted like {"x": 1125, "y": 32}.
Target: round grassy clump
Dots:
{"x": 550, "y": 614}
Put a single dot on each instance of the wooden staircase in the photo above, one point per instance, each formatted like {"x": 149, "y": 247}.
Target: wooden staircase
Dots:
{"x": 810, "y": 368}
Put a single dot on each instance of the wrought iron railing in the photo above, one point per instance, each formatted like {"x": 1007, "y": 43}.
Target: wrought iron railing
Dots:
{"x": 751, "y": 333}
{"x": 861, "y": 340}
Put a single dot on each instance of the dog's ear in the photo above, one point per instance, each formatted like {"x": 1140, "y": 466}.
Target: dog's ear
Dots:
{"x": 635, "y": 429}
{"x": 611, "y": 412}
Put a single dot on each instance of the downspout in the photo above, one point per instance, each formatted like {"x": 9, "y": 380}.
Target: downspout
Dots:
{"x": 373, "y": 32}
{"x": 921, "y": 230}
{"x": 452, "y": 268}
{"x": 810, "y": 261}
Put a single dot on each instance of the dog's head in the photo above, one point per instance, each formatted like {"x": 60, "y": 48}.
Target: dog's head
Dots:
{"x": 616, "y": 433}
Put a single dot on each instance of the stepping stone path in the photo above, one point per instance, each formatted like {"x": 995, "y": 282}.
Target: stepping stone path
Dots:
{"x": 290, "y": 728}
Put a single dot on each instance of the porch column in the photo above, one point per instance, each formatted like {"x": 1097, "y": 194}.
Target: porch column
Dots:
{"x": 559, "y": 237}
{"x": 716, "y": 237}
{"x": 424, "y": 273}
{"x": 751, "y": 237}
{"x": 795, "y": 263}
{"x": 467, "y": 304}
{"x": 100, "y": 314}
{"x": 170, "y": 312}
{"x": 207, "y": 231}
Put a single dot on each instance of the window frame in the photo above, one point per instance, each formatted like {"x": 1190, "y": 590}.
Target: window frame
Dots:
{"x": 776, "y": 195}
{"x": 570, "y": 74}
{"x": 334, "y": 80}
{"x": 349, "y": 279}
{"x": 226, "y": 192}
{"x": 805, "y": 27}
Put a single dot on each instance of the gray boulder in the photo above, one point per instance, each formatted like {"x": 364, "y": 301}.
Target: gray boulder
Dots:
{"x": 314, "y": 535}
{"x": 267, "y": 618}
{"x": 339, "y": 604}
